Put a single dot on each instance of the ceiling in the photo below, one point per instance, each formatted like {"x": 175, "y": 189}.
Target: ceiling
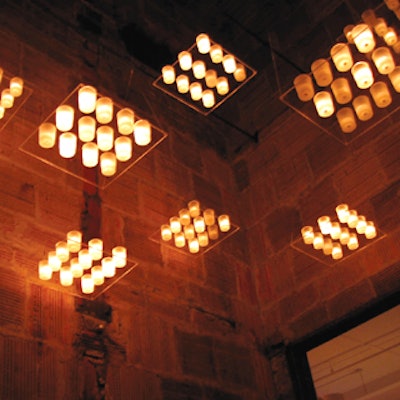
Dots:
{"x": 279, "y": 39}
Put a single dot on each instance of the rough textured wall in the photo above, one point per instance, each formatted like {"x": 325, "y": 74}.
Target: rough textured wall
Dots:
{"x": 176, "y": 327}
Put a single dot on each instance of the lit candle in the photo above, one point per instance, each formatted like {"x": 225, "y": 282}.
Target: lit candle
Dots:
{"x": 380, "y": 27}
{"x": 211, "y": 78}
{"x": 16, "y": 86}
{"x": 108, "y": 163}
{"x": 64, "y": 118}
{"x": 95, "y": 247}
{"x": 196, "y": 91}
{"x": 97, "y": 275}
{"x": 222, "y": 85}
{"x": 62, "y": 251}
{"x": 184, "y": 216}
{"x": 185, "y": 60}
{"x": 224, "y": 223}
{"x": 341, "y": 57}
{"x": 304, "y": 87}
{"x": 341, "y": 90}
{"x": 209, "y": 216}
{"x": 90, "y": 154}
{"x": 363, "y": 38}
{"x": 194, "y": 246}
{"x": 74, "y": 241}
{"x": 324, "y": 104}
{"x": 199, "y": 69}
{"x": 189, "y": 231}
{"x": 179, "y": 239}
{"x": 337, "y": 252}
{"x": 213, "y": 232}
{"x": 66, "y": 278}
{"x": 199, "y": 224}
{"x": 175, "y": 224}
{"x": 45, "y": 270}
{"x": 370, "y": 230}
{"x": 240, "y": 73}
{"x": 335, "y": 230}
{"x": 86, "y": 128}
{"x": 87, "y": 284}
{"x": 352, "y": 219}
{"x": 67, "y": 144}
{"x": 216, "y": 53}
{"x": 123, "y": 148}
{"x": 142, "y": 132}
{"x": 7, "y": 99}
{"x": 380, "y": 94}
{"x": 54, "y": 261}
{"x": 362, "y": 106}
{"x": 383, "y": 60}
{"x": 168, "y": 74}
{"x": 361, "y": 224}
{"x": 104, "y": 110}
{"x": 87, "y": 96}
{"x": 324, "y": 224}
{"x": 390, "y": 37}
{"x": 194, "y": 208}
{"x": 342, "y": 211}
{"x": 203, "y": 239}
{"x": 318, "y": 242}
{"x": 76, "y": 268}
{"x": 125, "y": 121}
{"x": 166, "y": 233}
{"x": 327, "y": 246}
{"x": 362, "y": 74}
{"x": 47, "y": 135}
{"x": 119, "y": 255}
{"x": 229, "y": 63}
{"x": 108, "y": 267}
{"x": 208, "y": 98}
{"x": 322, "y": 72}
{"x": 394, "y": 77}
{"x": 344, "y": 236}
{"x": 203, "y": 43}
{"x": 346, "y": 119}
{"x": 85, "y": 259}
{"x": 307, "y": 233}
{"x": 353, "y": 244}
{"x": 105, "y": 137}
{"x": 182, "y": 84}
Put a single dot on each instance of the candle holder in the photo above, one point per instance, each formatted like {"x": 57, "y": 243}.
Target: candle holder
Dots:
{"x": 356, "y": 88}
{"x": 204, "y": 76}
{"x": 14, "y": 92}
{"x": 83, "y": 270}
{"x": 93, "y": 138}
{"x": 194, "y": 230}
{"x": 334, "y": 239}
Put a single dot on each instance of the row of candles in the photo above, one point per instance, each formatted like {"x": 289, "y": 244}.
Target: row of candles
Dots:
{"x": 362, "y": 37}
{"x": 194, "y": 228}
{"x": 14, "y": 89}
{"x": 101, "y": 144}
{"x": 89, "y": 264}
{"x": 332, "y": 235}
{"x": 201, "y": 70}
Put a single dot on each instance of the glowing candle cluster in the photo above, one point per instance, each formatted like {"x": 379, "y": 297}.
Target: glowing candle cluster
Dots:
{"x": 205, "y": 73}
{"x": 193, "y": 228}
{"x": 72, "y": 259}
{"x": 360, "y": 74}
{"x": 94, "y": 126}
{"x": 336, "y": 234}
{"x": 13, "y": 90}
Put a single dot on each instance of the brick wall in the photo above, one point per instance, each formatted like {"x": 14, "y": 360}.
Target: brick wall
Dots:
{"x": 180, "y": 327}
